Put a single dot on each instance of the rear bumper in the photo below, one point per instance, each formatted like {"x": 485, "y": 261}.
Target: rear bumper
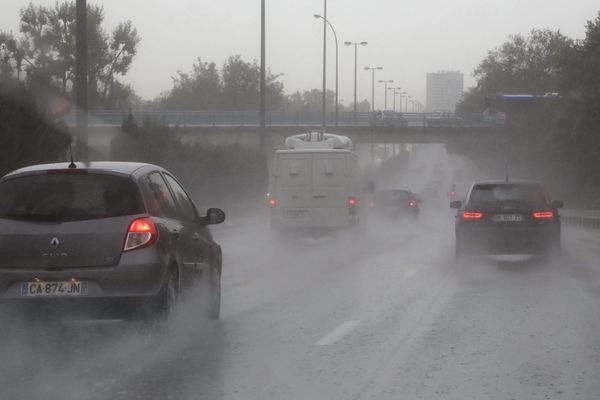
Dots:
{"x": 315, "y": 218}
{"x": 523, "y": 240}
{"x": 138, "y": 274}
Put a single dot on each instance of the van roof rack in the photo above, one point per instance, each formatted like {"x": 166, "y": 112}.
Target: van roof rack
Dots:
{"x": 318, "y": 140}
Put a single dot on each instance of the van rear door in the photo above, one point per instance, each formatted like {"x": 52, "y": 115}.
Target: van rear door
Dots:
{"x": 330, "y": 192}
{"x": 294, "y": 186}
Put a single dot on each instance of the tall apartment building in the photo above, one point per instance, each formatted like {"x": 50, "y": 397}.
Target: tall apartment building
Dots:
{"x": 444, "y": 90}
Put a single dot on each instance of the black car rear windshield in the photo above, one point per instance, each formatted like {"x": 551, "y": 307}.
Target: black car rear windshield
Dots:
{"x": 63, "y": 197}
{"x": 390, "y": 197}
{"x": 508, "y": 192}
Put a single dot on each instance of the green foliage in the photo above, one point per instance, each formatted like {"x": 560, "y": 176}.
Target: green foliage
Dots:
{"x": 27, "y": 136}
{"x": 45, "y": 52}
{"x": 557, "y": 140}
{"x": 236, "y": 86}
{"x": 214, "y": 174}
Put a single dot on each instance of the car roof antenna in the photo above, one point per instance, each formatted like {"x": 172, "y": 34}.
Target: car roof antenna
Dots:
{"x": 72, "y": 165}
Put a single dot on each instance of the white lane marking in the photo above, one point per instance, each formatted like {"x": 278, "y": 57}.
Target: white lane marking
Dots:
{"x": 410, "y": 273}
{"x": 338, "y": 333}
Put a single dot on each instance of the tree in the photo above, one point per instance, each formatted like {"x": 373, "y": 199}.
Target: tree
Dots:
{"x": 235, "y": 87}
{"x": 26, "y": 137}
{"x": 311, "y": 101}
{"x": 198, "y": 90}
{"x": 45, "y": 52}
{"x": 531, "y": 65}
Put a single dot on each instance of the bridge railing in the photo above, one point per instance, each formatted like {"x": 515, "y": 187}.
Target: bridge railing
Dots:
{"x": 286, "y": 118}
{"x": 581, "y": 218}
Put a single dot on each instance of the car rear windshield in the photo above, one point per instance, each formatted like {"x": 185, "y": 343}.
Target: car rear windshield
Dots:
{"x": 507, "y": 192}
{"x": 392, "y": 197}
{"x": 63, "y": 197}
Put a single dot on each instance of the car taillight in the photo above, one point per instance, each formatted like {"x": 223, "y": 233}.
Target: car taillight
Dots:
{"x": 471, "y": 215}
{"x": 413, "y": 204}
{"x": 352, "y": 205}
{"x": 141, "y": 233}
{"x": 371, "y": 204}
{"x": 272, "y": 201}
{"x": 543, "y": 215}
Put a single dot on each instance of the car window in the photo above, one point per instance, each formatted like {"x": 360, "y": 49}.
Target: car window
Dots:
{"x": 507, "y": 192}
{"x": 60, "y": 197}
{"x": 186, "y": 206}
{"x": 164, "y": 203}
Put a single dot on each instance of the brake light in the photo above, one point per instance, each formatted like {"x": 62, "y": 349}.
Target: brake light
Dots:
{"x": 413, "y": 204}
{"x": 543, "y": 215}
{"x": 471, "y": 215}
{"x": 273, "y": 201}
{"x": 352, "y": 205}
{"x": 141, "y": 233}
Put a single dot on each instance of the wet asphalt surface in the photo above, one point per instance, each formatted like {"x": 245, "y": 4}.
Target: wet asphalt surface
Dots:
{"x": 387, "y": 315}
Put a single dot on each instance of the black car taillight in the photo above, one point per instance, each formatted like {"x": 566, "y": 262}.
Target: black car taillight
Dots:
{"x": 543, "y": 215}
{"x": 471, "y": 215}
{"x": 141, "y": 233}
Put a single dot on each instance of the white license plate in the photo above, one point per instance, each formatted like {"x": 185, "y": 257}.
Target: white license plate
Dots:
{"x": 507, "y": 218}
{"x": 54, "y": 289}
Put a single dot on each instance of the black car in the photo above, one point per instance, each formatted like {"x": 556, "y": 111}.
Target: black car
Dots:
{"x": 106, "y": 238}
{"x": 499, "y": 217}
{"x": 395, "y": 203}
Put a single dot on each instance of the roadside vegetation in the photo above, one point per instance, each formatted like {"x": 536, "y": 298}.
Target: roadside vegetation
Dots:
{"x": 558, "y": 140}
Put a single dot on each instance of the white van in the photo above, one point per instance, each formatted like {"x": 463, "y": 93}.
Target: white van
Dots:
{"x": 315, "y": 183}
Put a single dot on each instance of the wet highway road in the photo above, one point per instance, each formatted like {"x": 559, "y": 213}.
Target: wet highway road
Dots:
{"x": 389, "y": 316}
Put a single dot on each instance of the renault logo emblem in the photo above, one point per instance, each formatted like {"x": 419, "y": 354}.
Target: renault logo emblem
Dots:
{"x": 55, "y": 242}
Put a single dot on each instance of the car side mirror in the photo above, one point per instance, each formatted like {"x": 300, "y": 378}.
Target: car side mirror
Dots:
{"x": 214, "y": 216}
{"x": 456, "y": 204}
{"x": 558, "y": 204}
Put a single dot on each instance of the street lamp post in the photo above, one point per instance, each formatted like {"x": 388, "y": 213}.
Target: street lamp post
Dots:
{"x": 402, "y": 95}
{"x": 81, "y": 79}
{"x": 406, "y": 103}
{"x": 355, "y": 44}
{"x": 372, "y": 69}
{"x": 385, "y": 83}
{"x": 336, "y": 66}
{"x": 324, "y": 61}
{"x": 395, "y": 91}
{"x": 263, "y": 107}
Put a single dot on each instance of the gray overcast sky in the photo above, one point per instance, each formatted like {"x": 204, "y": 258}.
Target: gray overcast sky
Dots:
{"x": 407, "y": 38}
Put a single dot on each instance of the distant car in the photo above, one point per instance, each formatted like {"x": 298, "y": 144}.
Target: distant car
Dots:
{"x": 388, "y": 119}
{"x": 444, "y": 120}
{"x": 107, "y": 238}
{"x": 395, "y": 203}
{"x": 500, "y": 217}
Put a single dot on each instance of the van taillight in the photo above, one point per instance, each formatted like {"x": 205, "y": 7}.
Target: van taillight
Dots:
{"x": 543, "y": 215}
{"x": 352, "y": 205}
{"x": 141, "y": 233}
{"x": 272, "y": 202}
{"x": 471, "y": 215}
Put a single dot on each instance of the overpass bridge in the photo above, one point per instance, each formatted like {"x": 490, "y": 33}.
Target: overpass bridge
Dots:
{"x": 241, "y": 127}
